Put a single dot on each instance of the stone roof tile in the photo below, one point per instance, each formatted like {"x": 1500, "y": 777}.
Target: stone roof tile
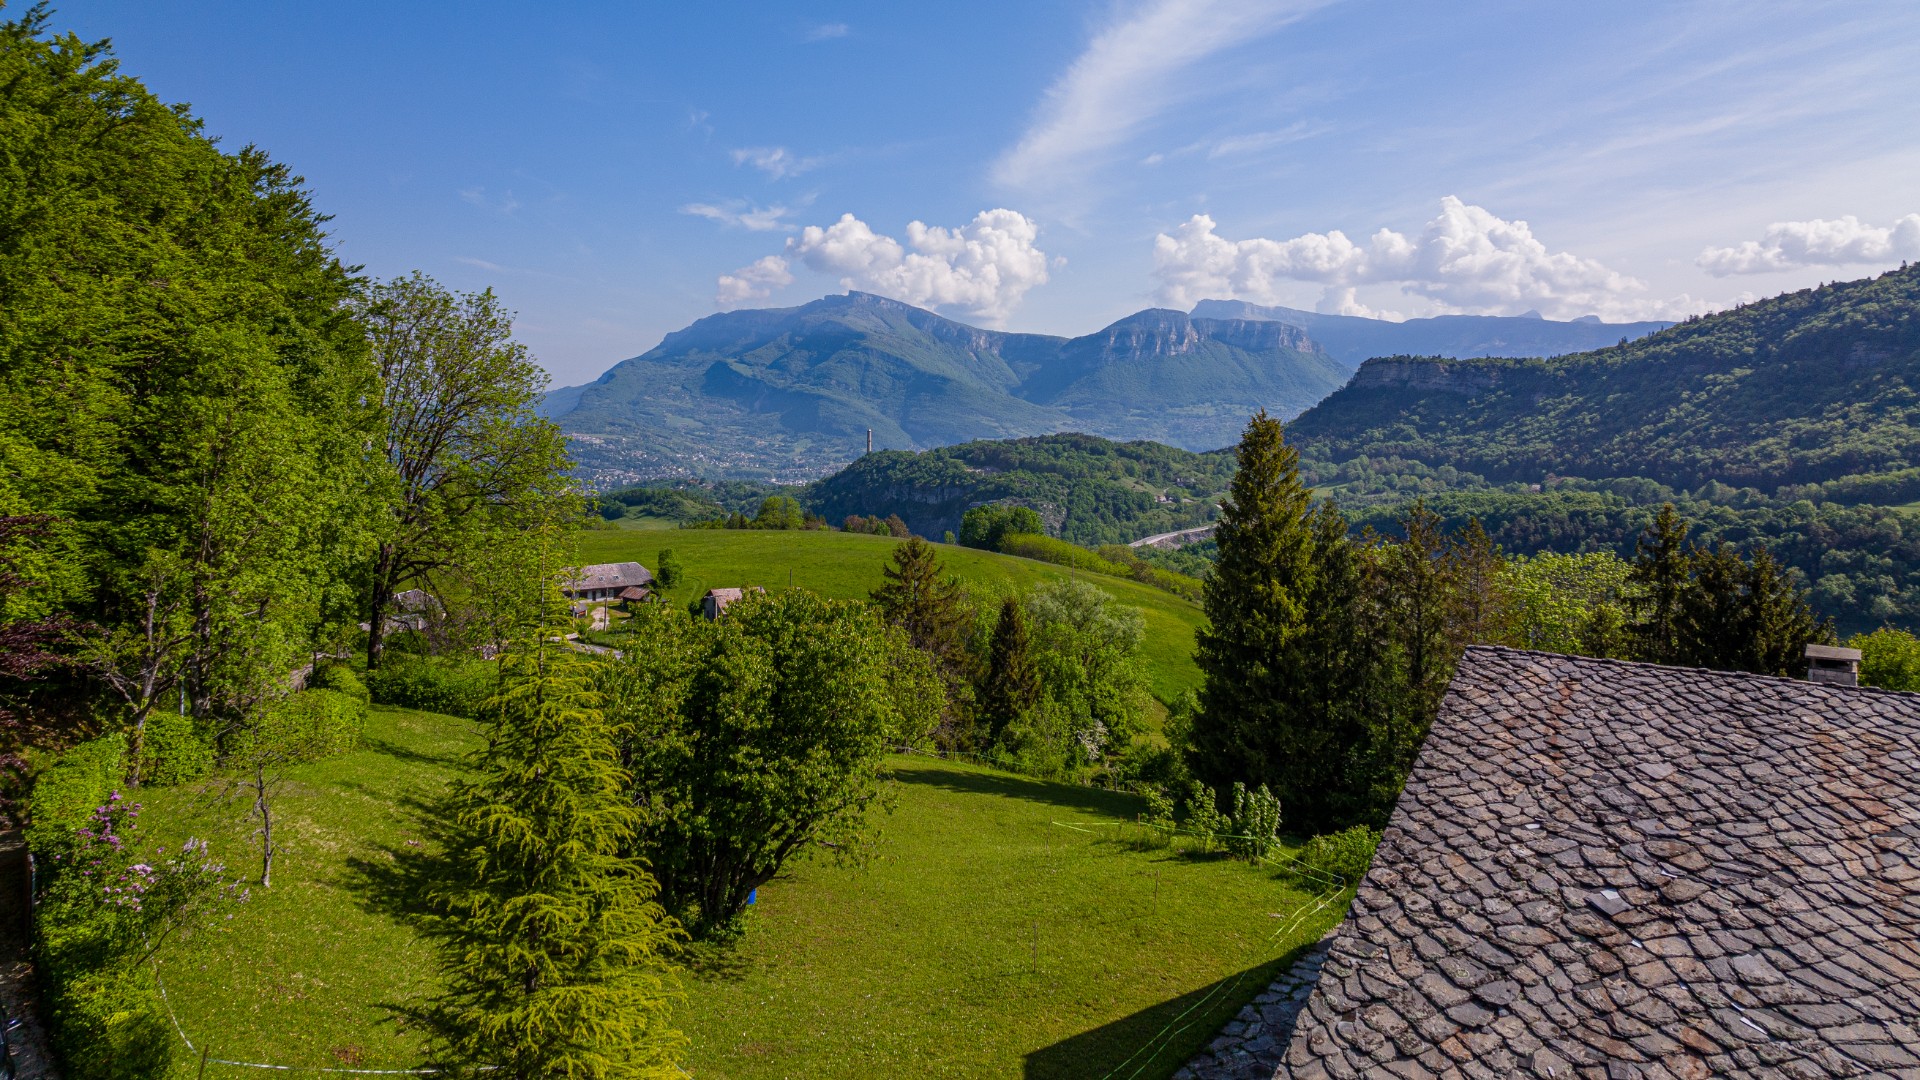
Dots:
{"x": 1611, "y": 869}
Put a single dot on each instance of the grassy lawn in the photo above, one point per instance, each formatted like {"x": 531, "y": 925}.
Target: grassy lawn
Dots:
{"x": 984, "y": 940}
{"x": 847, "y": 566}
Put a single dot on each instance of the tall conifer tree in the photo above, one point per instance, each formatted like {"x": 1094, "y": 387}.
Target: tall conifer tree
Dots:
{"x": 1256, "y": 607}
{"x": 552, "y": 944}
{"x": 1012, "y": 683}
{"x": 1662, "y": 574}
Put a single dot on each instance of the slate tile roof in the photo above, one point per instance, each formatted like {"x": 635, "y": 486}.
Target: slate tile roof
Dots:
{"x": 608, "y": 576}
{"x": 1606, "y": 870}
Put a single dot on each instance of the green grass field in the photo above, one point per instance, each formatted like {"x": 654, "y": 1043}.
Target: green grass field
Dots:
{"x": 984, "y": 940}
{"x": 847, "y": 566}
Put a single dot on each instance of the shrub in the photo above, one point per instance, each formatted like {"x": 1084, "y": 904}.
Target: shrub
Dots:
{"x": 432, "y": 685}
{"x": 67, "y": 794}
{"x": 307, "y": 726}
{"x": 110, "y": 1024}
{"x": 173, "y": 751}
{"x": 1203, "y": 818}
{"x": 339, "y": 678}
{"x": 1344, "y": 855}
{"x": 1256, "y": 821}
{"x": 987, "y": 526}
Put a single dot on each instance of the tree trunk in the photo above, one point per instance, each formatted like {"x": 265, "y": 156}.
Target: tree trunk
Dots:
{"x": 379, "y": 602}
{"x": 265, "y": 811}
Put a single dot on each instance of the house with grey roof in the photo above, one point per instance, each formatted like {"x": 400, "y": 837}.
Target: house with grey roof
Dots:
{"x": 608, "y": 581}
{"x": 1604, "y": 869}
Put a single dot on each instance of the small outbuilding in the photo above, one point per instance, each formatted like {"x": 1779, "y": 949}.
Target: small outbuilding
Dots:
{"x": 715, "y": 603}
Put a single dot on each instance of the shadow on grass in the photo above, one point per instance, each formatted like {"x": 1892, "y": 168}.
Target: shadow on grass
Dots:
{"x": 401, "y": 752}
{"x": 1065, "y": 796}
{"x": 1153, "y": 1043}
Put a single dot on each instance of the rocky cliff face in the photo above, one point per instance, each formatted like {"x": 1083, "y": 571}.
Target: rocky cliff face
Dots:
{"x": 1428, "y": 375}
{"x": 1160, "y": 332}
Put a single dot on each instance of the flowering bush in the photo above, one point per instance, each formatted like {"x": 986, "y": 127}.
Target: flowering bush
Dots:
{"x": 102, "y": 913}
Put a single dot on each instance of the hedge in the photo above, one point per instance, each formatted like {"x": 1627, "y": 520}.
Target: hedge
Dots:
{"x": 67, "y": 794}
{"x": 433, "y": 685}
{"x": 341, "y": 678}
{"x": 173, "y": 751}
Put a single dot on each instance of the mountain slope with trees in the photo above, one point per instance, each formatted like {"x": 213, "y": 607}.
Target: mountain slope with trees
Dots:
{"x": 790, "y": 393}
{"x": 1086, "y": 489}
{"x": 1811, "y": 387}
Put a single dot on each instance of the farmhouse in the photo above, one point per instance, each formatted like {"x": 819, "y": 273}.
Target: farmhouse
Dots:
{"x": 1603, "y": 869}
{"x": 609, "y": 581}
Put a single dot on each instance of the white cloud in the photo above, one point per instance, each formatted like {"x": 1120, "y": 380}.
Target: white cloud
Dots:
{"x": 1127, "y": 76}
{"x": 755, "y": 281}
{"x": 1842, "y": 241}
{"x": 983, "y": 268}
{"x": 479, "y": 264}
{"x": 777, "y": 162}
{"x": 741, "y": 215}
{"x": 1464, "y": 260}
{"x": 1263, "y": 140}
{"x": 827, "y": 32}
{"x": 499, "y": 204}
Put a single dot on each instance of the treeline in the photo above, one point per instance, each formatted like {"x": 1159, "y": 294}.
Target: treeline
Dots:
{"x": 1326, "y": 655}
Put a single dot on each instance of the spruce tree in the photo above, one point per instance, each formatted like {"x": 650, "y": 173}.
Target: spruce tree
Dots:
{"x": 1419, "y": 583}
{"x": 1740, "y": 614}
{"x": 1012, "y": 683}
{"x": 934, "y": 613}
{"x": 552, "y": 946}
{"x": 1662, "y": 575}
{"x": 1325, "y": 760}
{"x": 1256, "y": 607}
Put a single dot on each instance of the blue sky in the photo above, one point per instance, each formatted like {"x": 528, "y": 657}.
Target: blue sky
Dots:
{"x": 616, "y": 171}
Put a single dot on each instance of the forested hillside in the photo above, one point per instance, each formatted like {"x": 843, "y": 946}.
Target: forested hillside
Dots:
{"x": 1086, "y": 489}
{"x": 1790, "y": 424}
{"x": 1810, "y": 387}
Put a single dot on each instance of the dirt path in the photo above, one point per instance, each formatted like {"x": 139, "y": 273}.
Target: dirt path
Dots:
{"x": 31, "y": 1061}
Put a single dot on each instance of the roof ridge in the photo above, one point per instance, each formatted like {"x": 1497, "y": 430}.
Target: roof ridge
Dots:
{"x": 1680, "y": 668}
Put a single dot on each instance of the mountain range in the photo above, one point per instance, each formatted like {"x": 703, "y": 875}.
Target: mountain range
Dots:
{"x": 1352, "y": 339}
{"x": 790, "y": 394}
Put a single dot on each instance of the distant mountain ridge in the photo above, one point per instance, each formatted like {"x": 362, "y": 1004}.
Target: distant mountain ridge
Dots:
{"x": 790, "y": 393}
{"x": 1352, "y": 339}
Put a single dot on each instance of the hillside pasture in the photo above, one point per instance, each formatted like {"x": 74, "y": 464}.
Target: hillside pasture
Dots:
{"x": 847, "y": 566}
{"x": 1003, "y": 928}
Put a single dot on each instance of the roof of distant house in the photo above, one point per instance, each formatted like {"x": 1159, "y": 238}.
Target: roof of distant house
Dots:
{"x": 724, "y": 594}
{"x": 635, "y": 592}
{"x": 618, "y": 575}
{"x": 1609, "y": 869}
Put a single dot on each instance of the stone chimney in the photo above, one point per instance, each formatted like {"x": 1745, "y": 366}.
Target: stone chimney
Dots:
{"x": 869, "y": 440}
{"x": 1830, "y": 664}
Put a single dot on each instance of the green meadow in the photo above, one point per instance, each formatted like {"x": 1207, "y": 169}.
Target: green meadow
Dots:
{"x": 847, "y": 566}
{"x": 1004, "y": 927}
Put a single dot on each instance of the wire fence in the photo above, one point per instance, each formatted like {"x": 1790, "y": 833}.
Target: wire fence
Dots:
{"x": 1332, "y": 888}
